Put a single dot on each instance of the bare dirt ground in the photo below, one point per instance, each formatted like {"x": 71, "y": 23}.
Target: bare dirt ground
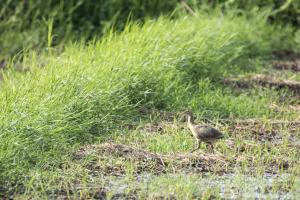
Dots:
{"x": 152, "y": 162}
{"x": 265, "y": 81}
{"x": 286, "y": 60}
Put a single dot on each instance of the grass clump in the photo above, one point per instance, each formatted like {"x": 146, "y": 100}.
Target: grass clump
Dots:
{"x": 86, "y": 91}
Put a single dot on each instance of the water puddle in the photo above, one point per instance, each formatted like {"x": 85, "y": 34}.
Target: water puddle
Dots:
{"x": 227, "y": 186}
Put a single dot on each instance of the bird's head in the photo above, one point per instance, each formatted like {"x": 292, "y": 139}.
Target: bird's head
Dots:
{"x": 189, "y": 115}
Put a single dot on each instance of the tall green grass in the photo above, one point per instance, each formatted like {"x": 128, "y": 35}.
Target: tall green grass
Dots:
{"x": 24, "y": 24}
{"x": 70, "y": 98}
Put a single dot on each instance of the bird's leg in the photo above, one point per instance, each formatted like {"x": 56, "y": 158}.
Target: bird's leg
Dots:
{"x": 211, "y": 146}
{"x": 198, "y": 146}
{"x": 213, "y": 149}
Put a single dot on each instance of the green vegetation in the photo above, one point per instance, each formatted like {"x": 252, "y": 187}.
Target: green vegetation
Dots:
{"x": 56, "y": 102}
{"x": 24, "y": 24}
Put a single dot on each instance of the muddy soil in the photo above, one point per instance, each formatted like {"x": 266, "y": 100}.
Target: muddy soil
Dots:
{"x": 273, "y": 131}
{"x": 286, "y": 60}
{"x": 147, "y": 161}
{"x": 265, "y": 81}
{"x": 154, "y": 163}
{"x": 287, "y": 65}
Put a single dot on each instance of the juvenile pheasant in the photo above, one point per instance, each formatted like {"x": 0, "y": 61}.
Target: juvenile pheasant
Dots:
{"x": 202, "y": 132}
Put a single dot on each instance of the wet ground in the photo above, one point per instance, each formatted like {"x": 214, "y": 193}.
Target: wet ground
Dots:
{"x": 226, "y": 186}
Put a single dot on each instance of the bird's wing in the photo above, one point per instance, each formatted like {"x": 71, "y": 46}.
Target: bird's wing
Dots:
{"x": 209, "y": 132}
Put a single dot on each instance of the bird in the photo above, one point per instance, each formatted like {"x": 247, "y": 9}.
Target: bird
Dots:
{"x": 202, "y": 132}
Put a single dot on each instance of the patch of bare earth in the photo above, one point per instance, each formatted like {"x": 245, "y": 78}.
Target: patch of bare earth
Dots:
{"x": 287, "y": 65}
{"x": 272, "y": 130}
{"x": 147, "y": 161}
{"x": 286, "y": 60}
{"x": 263, "y": 80}
{"x": 264, "y": 130}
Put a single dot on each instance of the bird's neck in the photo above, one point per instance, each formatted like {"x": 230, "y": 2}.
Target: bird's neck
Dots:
{"x": 190, "y": 121}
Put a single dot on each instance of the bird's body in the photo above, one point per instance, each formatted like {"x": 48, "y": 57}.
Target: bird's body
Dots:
{"x": 203, "y": 132}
